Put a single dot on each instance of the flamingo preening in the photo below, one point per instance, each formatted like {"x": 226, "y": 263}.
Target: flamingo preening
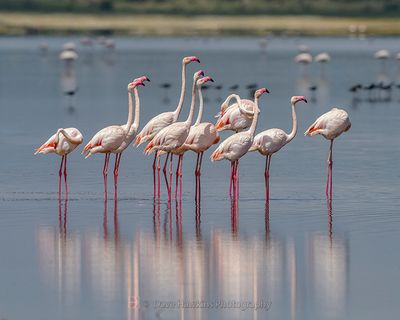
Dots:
{"x": 330, "y": 125}
{"x": 237, "y": 145}
{"x": 170, "y": 138}
{"x": 271, "y": 141}
{"x": 163, "y": 120}
{"x": 231, "y": 117}
{"x": 116, "y": 138}
{"x": 63, "y": 142}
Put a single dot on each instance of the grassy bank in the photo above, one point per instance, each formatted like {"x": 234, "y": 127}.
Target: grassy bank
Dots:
{"x": 162, "y": 25}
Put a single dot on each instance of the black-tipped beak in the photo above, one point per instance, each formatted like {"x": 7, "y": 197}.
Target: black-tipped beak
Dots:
{"x": 147, "y": 79}
{"x": 211, "y": 79}
{"x": 305, "y": 100}
{"x": 266, "y": 90}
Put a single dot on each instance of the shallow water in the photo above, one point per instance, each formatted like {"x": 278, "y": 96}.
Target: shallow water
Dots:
{"x": 297, "y": 259}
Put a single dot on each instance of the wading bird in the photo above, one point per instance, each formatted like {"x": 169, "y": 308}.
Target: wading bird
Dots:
{"x": 63, "y": 142}
{"x": 163, "y": 120}
{"x": 116, "y": 138}
{"x": 330, "y": 125}
{"x": 237, "y": 145}
{"x": 170, "y": 138}
{"x": 231, "y": 117}
{"x": 271, "y": 141}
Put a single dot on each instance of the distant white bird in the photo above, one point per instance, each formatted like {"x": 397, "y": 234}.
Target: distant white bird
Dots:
{"x": 68, "y": 55}
{"x": 63, "y": 142}
{"x": 271, "y": 141}
{"x": 382, "y": 54}
{"x": 330, "y": 125}
{"x": 69, "y": 46}
{"x": 116, "y": 138}
{"x": 322, "y": 57}
{"x": 303, "y": 58}
{"x": 237, "y": 145}
{"x": 231, "y": 117}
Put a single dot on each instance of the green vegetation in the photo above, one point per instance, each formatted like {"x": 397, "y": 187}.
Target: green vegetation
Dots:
{"x": 167, "y": 25}
{"x": 218, "y": 7}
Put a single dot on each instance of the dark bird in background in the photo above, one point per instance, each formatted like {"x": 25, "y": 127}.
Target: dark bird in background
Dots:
{"x": 234, "y": 87}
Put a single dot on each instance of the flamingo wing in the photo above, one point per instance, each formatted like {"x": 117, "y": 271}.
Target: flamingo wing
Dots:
{"x": 48, "y": 147}
{"x": 269, "y": 141}
{"x": 169, "y": 138}
{"x": 106, "y": 140}
{"x": 234, "y": 147}
{"x": 331, "y": 124}
{"x": 154, "y": 126}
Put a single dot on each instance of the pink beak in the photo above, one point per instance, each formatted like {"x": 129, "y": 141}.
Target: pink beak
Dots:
{"x": 195, "y": 59}
{"x": 303, "y": 98}
{"x": 206, "y": 79}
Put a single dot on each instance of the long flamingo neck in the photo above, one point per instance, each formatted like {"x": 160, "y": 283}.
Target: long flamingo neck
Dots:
{"x": 75, "y": 140}
{"x": 253, "y": 126}
{"x": 191, "y": 112}
{"x": 293, "y": 133}
{"x": 200, "y": 115}
{"x": 228, "y": 99}
{"x": 137, "y": 108}
{"x": 182, "y": 97}
{"x": 130, "y": 111}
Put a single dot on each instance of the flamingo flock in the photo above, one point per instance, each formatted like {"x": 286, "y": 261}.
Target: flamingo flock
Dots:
{"x": 164, "y": 134}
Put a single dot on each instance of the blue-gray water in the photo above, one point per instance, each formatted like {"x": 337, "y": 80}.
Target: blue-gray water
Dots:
{"x": 301, "y": 262}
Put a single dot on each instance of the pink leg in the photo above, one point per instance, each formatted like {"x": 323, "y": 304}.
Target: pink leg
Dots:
{"x": 165, "y": 176}
{"x": 199, "y": 175}
{"x": 105, "y": 172}
{"x": 328, "y": 190}
{"x": 267, "y": 166}
{"x": 180, "y": 178}
{"x": 59, "y": 177}
{"x": 236, "y": 179}
{"x": 116, "y": 167}
{"x": 201, "y": 162}
{"x": 196, "y": 171}
{"x": 65, "y": 177}
{"x": 158, "y": 176}
{"x": 154, "y": 174}
{"x": 231, "y": 179}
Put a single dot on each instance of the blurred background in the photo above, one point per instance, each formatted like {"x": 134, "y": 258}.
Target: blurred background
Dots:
{"x": 204, "y": 17}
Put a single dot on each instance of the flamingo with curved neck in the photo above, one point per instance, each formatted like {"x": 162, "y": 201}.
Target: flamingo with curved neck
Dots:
{"x": 237, "y": 145}
{"x": 272, "y": 140}
{"x": 63, "y": 142}
{"x": 237, "y": 116}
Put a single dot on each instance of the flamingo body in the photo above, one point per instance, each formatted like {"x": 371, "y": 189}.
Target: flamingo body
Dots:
{"x": 330, "y": 125}
{"x": 107, "y": 140}
{"x": 234, "y": 147}
{"x": 231, "y": 118}
{"x": 63, "y": 146}
{"x": 269, "y": 141}
{"x": 201, "y": 137}
{"x": 155, "y": 125}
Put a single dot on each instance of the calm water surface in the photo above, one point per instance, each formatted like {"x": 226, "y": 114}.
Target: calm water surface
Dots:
{"x": 136, "y": 259}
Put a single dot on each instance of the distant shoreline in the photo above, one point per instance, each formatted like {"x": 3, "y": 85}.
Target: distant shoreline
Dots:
{"x": 12, "y": 23}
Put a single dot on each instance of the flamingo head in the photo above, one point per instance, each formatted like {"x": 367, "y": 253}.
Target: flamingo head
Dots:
{"x": 201, "y": 81}
{"x": 198, "y": 74}
{"x": 260, "y": 92}
{"x": 137, "y": 82}
{"x": 187, "y": 60}
{"x": 296, "y": 99}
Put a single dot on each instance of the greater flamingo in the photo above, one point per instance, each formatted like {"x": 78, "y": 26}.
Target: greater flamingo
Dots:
{"x": 201, "y": 137}
{"x": 231, "y": 117}
{"x": 116, "y": 138}
{"x": 163, "y": 120}
{"x": 330, "y": 125}
{"x": 271, "y": 141}
{"x": 63, "y": 142}
{"x": 170, "y": 138}
{"x": 237, "y": 145}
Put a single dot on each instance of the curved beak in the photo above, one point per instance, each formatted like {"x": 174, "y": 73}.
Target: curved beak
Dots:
{"x": 195, "y": 59}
